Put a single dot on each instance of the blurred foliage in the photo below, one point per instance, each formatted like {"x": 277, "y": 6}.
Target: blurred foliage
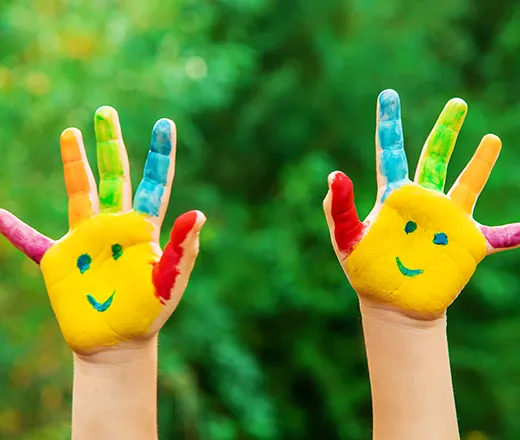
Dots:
{"x": 269, "y": 97}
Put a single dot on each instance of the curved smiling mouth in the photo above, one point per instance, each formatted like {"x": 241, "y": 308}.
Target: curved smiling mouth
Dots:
{"x": 100, "y": 306}
{"x": 405, "y": 271}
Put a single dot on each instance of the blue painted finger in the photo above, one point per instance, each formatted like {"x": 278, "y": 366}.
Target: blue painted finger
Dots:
{"x": 149, "y": 195}
{"x": 393, "y": 166}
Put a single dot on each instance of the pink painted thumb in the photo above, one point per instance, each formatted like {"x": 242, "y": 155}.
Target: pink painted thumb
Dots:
{"x": 23, "y": 237}
{"x": 502, "y": 237}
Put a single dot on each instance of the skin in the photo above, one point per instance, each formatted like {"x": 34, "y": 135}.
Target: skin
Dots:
{"x": 115, "y": 393}
{"x": 408, "y": 261}
{"x": 110, "y": 285}
{"x": 412, "y": 395}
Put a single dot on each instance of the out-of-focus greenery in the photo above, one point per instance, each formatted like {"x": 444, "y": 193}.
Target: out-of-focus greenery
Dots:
{"x": 269, "y": 97}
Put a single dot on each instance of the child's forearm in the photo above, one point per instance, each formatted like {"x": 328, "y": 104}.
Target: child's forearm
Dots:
{"x": 410, "y": 376}
{"x": 115, "y": 394}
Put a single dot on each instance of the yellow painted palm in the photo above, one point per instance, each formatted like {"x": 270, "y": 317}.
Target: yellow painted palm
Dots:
{"x": 418, "y": 247}
{"x": 108, "y": 280}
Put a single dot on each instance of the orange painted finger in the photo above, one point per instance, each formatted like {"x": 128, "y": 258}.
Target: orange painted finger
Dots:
{"x": 471, "y": 182}
{"x": 79, "y": 180}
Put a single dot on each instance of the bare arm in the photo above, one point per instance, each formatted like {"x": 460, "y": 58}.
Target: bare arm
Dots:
{"x": 408, "y": 261}
{"x": 111, "y": 286}
{"x": 115, "y": 394}
{"x": 412, "y": 394}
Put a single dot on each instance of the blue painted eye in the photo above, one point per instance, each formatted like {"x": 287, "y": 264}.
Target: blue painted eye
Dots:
{"x": 440, "y": 238}
{"x": 83, "y": 262}
{"x": 410, "y": 227}
{"x": 117, "y": 251}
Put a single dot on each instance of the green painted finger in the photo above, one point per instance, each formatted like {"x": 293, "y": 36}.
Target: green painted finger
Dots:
{"x": 112, "y": 160}
{"x": 436, "y": 153}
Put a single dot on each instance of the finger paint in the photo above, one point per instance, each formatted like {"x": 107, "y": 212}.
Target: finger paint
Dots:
{"x": 393, "y": 164}
{"x": 502, "y": 237}
{"x": 23, "y": 237}
{"x": 149, "y": 194}
{"x": 167, "y": 270}
{"x": 348, "y": 229}
{"x": 433, "y": 163}
{"x": 111, "y": 154}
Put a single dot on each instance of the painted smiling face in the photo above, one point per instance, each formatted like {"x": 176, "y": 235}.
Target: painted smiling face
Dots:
{"x": 103, "y": 272}
{"x": 418, "y": 247}
{"x": 419, "y": 252}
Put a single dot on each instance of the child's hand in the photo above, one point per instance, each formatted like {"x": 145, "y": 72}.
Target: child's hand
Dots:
{"x": 106, "y": 278}
{"x": 418, "y": 247}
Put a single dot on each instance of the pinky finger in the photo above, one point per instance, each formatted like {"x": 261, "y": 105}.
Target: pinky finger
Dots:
{"x": 172, "y": 272}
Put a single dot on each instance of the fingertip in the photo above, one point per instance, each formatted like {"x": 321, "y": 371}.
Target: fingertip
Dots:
{"x": 389, "y": 105}
{"x": 71, "y": 142}
{"x": 106, "y": 124}
{"x": 163, "y": 136}
{"x": 342, "y": 192}
{"x": 340, "y": 182}
{"x": 492, "y": 141}
{"x": 456, "y": 109}
{"x": 489, "y": 149}
{"x": 7, "y": 219}
{"x": 184, "y": 224}
{"x": 336, "y": 175}
{"x": 201, "y": 219}
{"x": 457, "y": 103}
{"x": 105, "y": 113}
{"x": 388, "y": 96}
{"x": 165, "y": 124}
{"x": 70, "y": 134}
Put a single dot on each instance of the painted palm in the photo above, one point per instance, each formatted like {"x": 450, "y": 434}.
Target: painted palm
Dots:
{"x": 107, "y": 278}
{"x": 418, "y": 247}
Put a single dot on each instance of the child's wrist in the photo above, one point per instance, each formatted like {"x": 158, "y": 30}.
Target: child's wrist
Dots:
{"x": 393, "y": 316}
{"x": 115, "y": 393}
{"x": 125, "y": 353}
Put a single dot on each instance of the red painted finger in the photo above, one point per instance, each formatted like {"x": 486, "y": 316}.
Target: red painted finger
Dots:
{"x": 348, "y": 230}
{"x": 183, "y": 241}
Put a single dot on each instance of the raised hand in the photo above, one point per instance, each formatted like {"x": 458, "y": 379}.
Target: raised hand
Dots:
{"x": 107, "y": 278}
{"x": 418, "y": 247}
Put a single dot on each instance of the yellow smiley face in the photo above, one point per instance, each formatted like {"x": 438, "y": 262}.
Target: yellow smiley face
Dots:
{"x": 418, "y": 247}
{"x": 99, "y": 280}
{"x": 419, "y": 252}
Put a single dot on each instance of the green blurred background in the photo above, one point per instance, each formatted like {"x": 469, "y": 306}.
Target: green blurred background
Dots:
{"x": 269, "y": 97}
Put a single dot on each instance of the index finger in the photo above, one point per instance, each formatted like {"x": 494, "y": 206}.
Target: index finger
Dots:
{"x": 153, "y": 193}
{"x": 436, "y": 153}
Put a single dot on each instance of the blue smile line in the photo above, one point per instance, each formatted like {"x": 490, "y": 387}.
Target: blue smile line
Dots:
{"x": 100, "y": 307}
{"x": 405, "y": 271}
